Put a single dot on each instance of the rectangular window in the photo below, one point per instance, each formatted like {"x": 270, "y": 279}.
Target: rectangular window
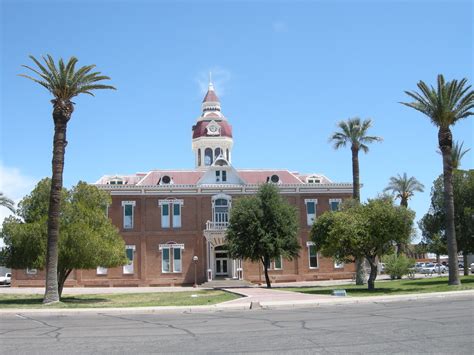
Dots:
{"x": 130, "y": 251}
{"x": 101, "y": 270}
{"x": 338, "y": 265}
{"x": 31, "y": 271}
{"x": 313, "y": 256}
{"x": 311, "y": 211}
{"x": 278, "y": 263}
{"x": 165, "y": 260}
{"x": 128, "y": 214}
{"x": 165, "y": 215}
{"x": 176, "y": 259}
{"x": 176, "y": 215}
{"x": 224, "y": 176}
{"x": 334, "y": 204}
{"x": 218, "y": 176}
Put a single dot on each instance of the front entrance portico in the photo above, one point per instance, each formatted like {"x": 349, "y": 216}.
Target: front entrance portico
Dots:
{"x": 219, "y": 263}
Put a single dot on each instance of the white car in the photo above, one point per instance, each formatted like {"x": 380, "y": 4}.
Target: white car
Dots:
{"x": 431, "y": 268}
{"x": 6, "y": 280}
{"x": 472, "y": 268}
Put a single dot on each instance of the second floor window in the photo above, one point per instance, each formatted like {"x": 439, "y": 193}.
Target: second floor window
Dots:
{"x": 128, "y": 214}
{"x": 170, "y": 213}
{"x": 311, "y": 211}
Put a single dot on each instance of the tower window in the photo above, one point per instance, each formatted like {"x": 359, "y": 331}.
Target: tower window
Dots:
{"x": 217, "y": 152}
{"x": 208, "y": 157}
{"x": 199, "y": 157}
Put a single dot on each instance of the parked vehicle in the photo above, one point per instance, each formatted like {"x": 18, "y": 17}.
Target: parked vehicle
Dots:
{"x": 6, "y": 280}
{"x": 472, "y": 268}
{"x": 419, "y": 266}
{"x": 431, "y": 268}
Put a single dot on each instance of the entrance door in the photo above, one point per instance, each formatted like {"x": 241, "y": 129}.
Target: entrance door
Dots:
{"x": 221, "y": 262}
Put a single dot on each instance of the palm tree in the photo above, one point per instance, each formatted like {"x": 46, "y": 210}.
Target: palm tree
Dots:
{"x": 403, "y": 187}
{"x": 450, "y": 102}
{"x": 64, "y": 82}
{"x": 457, "y": 154}
{"x": 6, "y": 202}
{"x": 354, "y": 132}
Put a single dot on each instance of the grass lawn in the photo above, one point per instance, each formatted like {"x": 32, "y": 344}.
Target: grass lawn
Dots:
{"x": 395, "y": 287}
{"x": 206, "y": 297}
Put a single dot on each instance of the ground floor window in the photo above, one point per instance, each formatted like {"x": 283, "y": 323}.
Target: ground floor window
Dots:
{"x": 130, "y": 251}
{"x": 312, "y": 255}
{"x": 31, "y": 271}
{"x": 338, "y": 265}
{"x": 275, "y": 264}
{"x": 171, "y": 257}
{"x": 101, "y": 270}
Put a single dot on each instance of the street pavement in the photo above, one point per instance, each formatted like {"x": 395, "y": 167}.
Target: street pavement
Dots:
{"x": 442, "y": 325}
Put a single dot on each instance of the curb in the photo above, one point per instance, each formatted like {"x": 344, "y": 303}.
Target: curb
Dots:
{"x": 335, "y": 301}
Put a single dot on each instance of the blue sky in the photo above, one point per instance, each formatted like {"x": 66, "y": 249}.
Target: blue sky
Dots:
{"x": 286, "y": 73}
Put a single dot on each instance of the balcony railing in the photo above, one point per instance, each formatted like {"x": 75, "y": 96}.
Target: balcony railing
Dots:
{"x": 216, "y": 226}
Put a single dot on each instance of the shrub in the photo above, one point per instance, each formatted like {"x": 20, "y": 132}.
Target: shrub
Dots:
{"x": 397, "y": 265}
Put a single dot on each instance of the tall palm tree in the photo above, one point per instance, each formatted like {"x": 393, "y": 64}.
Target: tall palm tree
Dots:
{"x": 353, "y": 132}
{"x": 450, "y": 102}
{"x": 457, "y": 154}
{"x": 6, "y": 202}
{"x": 403, "y": 187}
{"x": 64, "y": 82}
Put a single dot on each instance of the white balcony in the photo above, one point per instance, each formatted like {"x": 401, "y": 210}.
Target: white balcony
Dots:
{"x": 216, "y": 226}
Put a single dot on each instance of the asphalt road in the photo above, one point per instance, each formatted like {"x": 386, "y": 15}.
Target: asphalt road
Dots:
{"x": 441, "y": 326}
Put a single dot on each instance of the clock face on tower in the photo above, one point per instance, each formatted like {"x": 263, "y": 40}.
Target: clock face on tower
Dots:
{"x": 213, "y": 129}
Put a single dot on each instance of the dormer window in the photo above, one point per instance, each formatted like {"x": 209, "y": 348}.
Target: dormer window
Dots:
{"x": 115, "y": 181}
{"x": 313, "y": 179}
{"x": 213, "y": 129}
{"x": 275, "y": 179}
{"x": 165, "y": 180}
{"x": 221, "y": 176}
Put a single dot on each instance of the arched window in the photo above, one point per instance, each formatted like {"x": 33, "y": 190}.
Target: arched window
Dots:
{"x": 227, "y": 154}
{"x": 221, "y": 210}
{"x": 208, "y": 157}
{"x": 199, "y": 157}
{"x": 217, "y": 152}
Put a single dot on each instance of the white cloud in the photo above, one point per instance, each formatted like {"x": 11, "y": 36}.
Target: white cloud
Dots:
{"x": 220, "y": 78}
{"x": 279, "y": 27}
{"x": 14, "y": 185}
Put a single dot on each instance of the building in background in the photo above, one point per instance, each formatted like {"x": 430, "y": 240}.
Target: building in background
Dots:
{"x": 169, "y": 217}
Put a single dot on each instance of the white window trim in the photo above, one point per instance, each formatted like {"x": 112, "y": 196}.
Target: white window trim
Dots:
{"x": 310, "y": 218}
{"x": 101, "y": 270}
{"x": 31, "y": 271}
{"x": 170, "y": 246}
{"x": 338, "y": 265}
{"x": 170, "y": 202}
{"x": 272, "y": 265}
{"x": 308, "y": 245}
{"x": 331, "y": 200}
{"x": 133, "y": 204}
{"x": 124, "y": 270}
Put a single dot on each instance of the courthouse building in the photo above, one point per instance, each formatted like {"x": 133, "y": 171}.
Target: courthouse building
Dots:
{"x": 173, "y": 221}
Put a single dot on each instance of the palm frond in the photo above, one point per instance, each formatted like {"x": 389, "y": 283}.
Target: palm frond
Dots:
{"x": 63, "y": 80}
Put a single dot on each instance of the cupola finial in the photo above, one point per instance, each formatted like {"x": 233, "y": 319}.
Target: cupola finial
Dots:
{"x": 211, "y": 86}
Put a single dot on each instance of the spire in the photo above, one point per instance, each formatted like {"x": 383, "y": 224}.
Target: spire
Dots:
{"x": 211, "y": 94}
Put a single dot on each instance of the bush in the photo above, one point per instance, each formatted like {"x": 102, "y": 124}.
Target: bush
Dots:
{"x": 397, "y": 266}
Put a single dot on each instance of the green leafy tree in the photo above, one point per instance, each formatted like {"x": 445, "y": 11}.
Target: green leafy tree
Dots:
{"x": 354, "y": 132}
{"x": 87, "y": 239}
{"x": 363, "y": 231}
{"x": 6, "y": 202}
{"x": 403, "y": 187}
{"x": 447, "y": 104}
{"x": 433, "y": 223}
{"x": 64, "y": 82}
{"x": 262, "y": 228}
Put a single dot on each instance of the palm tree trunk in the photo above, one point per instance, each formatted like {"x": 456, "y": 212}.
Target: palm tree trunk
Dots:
{"x": 355, "y": 174}
{"x": 445, "y": 140}
{"x": 61, "y": 114}
{"x": 360, "y": 273}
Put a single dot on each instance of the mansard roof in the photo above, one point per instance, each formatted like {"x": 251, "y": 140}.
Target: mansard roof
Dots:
{"x": 192, "y": 177}
{"x": 199, "y": 129}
